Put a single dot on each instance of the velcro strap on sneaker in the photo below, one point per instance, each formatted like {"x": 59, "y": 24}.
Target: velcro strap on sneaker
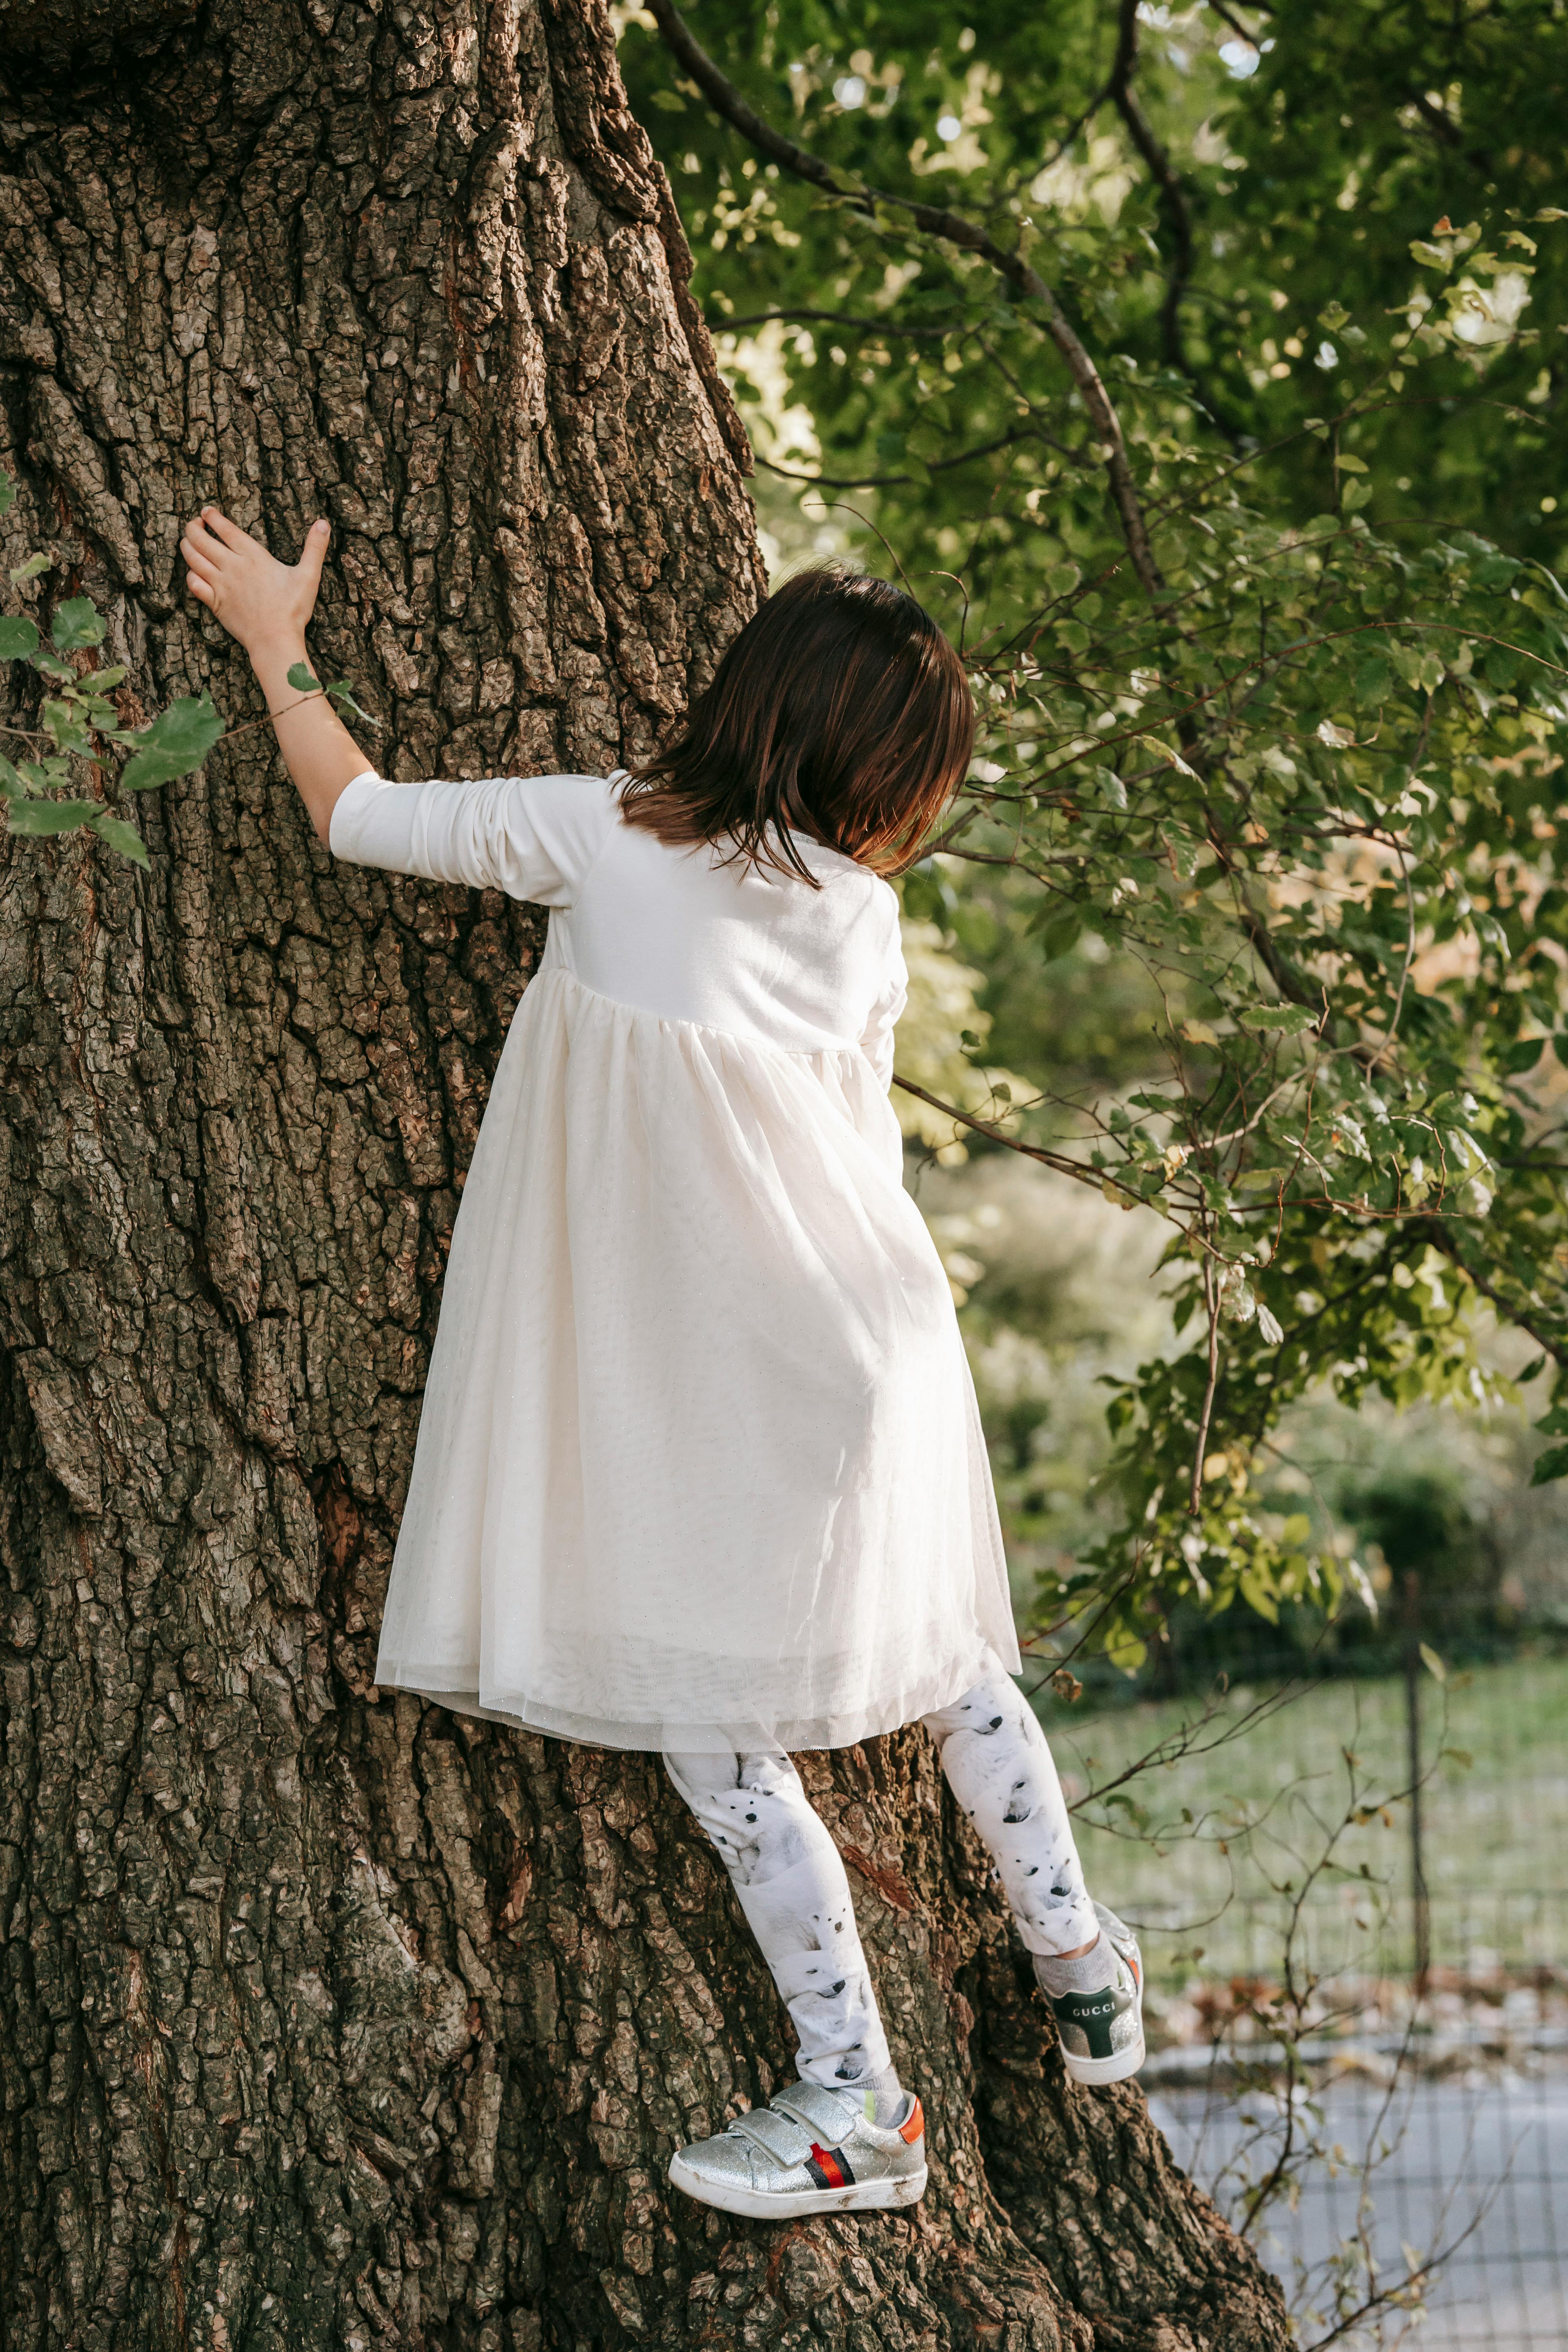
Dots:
{"x": 824, "y": 2113}
{"x": 777, "y": 2135}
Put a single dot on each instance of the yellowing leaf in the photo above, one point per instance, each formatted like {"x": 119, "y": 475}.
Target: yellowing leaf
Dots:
{"x": 1172, "y": 759}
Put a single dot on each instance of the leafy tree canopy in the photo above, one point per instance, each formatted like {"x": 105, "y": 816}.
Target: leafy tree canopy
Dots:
{"x": 1204, "y": 368}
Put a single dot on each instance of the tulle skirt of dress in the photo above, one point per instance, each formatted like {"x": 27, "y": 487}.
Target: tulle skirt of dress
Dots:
{"x": 700, "y": 1462}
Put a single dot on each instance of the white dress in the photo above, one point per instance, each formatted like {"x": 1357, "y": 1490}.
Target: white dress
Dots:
{"x": 700, "y": 1462}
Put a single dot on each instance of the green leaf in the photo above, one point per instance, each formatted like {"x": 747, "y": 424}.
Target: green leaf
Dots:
{"x": 1374, "y": 680}
{"x": 121, "y": 837}
{"x": 18, "y": 638}
{"x": 30, "y": 570}
{"x": 8, "y": 492}
{"x": 12, "y": 788}
{"x": 1549, "y": 1466}
{"x": 1523, "y": 1055}
{"x": 178, "y": 740}
{"x": 63, "y": 722}
{"x": 1060, "y": 934}
{"x": 1257, "y": 1597}
{"x": 342, "y": 695}
{"x": 1432, "y": 1664}
{"x": 303, "y": 679}
{"x": 51, "y": 817}
{"x": 1289, "y": 1018}
{"x": 76, "y": 627}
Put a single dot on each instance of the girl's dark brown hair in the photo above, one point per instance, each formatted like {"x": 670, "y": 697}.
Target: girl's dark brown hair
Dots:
{"x": 840, "y": 711}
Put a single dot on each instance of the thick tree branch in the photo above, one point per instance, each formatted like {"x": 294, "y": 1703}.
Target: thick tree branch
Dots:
{"x": 953, "y": 228}
{"x": 616, "y": 156}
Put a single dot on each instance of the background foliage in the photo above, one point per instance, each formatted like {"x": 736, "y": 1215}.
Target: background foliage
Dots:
{"x": 1261, "y": 865}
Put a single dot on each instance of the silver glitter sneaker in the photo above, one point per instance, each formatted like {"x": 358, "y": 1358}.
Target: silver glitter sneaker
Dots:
{"x": 808, "y": 2151}
{"x": 1102, "y": 2032}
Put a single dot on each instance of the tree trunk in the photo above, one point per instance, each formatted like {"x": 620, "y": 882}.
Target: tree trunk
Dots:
{"x": 330, "y": 2019}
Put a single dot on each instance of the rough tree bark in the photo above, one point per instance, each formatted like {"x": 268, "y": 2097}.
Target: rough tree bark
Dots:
{"x": 328, "y": 2019}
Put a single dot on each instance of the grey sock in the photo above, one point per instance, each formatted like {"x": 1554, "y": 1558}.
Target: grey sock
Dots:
{"x": 1088, "y": 1972}
{"x": 885, "y": 2095}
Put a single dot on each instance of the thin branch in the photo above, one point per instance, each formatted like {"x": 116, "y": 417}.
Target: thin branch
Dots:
{"x": 883, "y": 481}
{"x": 1175, "y": 1747}
{"x": 1236, "y": 27}
{"x": 1446, "y": 132}
{"x": 949, "y": 834}
{"x": 1211, "y": 1308}
{"x": 953, "y": 228}
{"x": 1096, "y": 1177}
{"x": 1409, "y": 892}
{"x": 822, "y": 318}
{"x": 1444, "y": 1240}
{"x": 1173, "y": 198}
{"x": 1178, "y": 218}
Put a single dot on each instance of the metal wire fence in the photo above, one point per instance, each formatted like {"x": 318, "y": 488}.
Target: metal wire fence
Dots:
{"x": 1475, "y": 2168}
{"x": 1359, "y": 2041}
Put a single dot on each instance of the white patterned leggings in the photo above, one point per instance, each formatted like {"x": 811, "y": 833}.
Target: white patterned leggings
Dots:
{"x": 790, "y": 1882}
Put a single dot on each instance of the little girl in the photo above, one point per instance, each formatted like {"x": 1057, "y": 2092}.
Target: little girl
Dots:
{"x": 700, "y": 1467}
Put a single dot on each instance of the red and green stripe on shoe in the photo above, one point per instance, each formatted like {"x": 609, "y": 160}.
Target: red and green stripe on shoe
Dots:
{"x": 810, "y": 2150}
{"x": 1102, "y": 2030}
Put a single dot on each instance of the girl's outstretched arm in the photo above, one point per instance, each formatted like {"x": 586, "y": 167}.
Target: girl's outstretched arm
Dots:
{"x": 267, "y": 606}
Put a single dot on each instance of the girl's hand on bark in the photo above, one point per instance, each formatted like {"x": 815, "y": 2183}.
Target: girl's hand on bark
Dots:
{"x": 259, "y": 601}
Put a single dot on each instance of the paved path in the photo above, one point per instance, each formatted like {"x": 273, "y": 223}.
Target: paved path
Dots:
{"x": 1489, "y": 2155}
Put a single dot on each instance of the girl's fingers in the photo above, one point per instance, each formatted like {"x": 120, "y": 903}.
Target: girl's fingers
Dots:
{"x": 312, "y": 555}
{"x": 230, "y": 533}
{"x": 196, "y": 556}
{"x": 198, "y": 588}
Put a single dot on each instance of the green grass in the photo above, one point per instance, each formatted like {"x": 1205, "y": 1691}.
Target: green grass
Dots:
{"x": 1267, "y": 1797}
